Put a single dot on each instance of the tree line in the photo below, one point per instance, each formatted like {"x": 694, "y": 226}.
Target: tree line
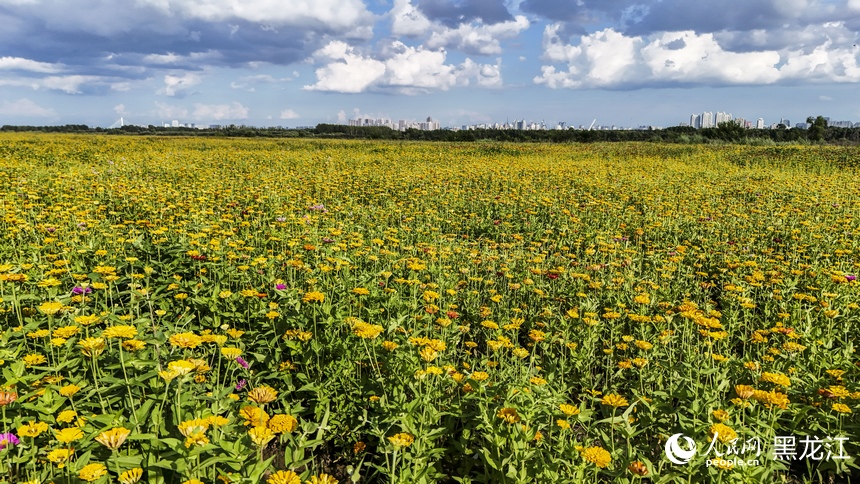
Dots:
{"x": 727, "y": 132}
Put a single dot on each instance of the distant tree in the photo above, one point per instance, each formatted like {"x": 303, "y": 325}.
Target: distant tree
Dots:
{"x": 730, "y": 131}
{"x": 817, "y": 128}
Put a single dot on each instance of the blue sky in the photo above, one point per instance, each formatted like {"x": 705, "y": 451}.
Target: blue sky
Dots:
{"x": 303, "y": 62}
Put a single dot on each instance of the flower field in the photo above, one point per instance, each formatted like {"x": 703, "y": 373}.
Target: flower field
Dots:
{"x": 244, "y": 311}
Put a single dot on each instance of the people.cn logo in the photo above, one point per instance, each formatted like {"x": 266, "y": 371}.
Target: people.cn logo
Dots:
{"x": 678, "y": 455}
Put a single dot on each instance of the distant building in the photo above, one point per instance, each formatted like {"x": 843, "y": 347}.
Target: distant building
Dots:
{"x": 723, "y": 117}
{"x": 759, "y": 124}
{"x": 695, "y": 121}
{"x": 707, "y": 119}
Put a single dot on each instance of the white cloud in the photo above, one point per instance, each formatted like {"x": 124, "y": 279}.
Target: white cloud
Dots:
{"x": 121, "y": 110}
{"x": 19, "y": 63}
{"x": 220, "y": 112}
{"x": 174, "y": 85}
{"x": 408, "y": 20}
{"x": 403, "y": 68}
{"x": 610, "y": 59}
{"x": 350, "y": 72}
{"x": 68, "y": 84}
{"x": 26, "y": 108}
{"x": 289, "y": 114}
{"x": 702, "y": 59}
{"x": 478, "y": 39}
{"x": 338, "y": 14}
{"x": 470, "y": 37}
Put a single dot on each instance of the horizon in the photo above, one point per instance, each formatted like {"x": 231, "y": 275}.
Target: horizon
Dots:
{"x": 462, "y": 62}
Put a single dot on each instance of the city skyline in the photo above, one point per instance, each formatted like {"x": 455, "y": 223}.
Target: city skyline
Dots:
{"x": 464, "y": 62}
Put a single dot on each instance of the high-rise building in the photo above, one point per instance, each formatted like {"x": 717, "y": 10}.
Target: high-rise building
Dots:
{"x": 723, "y": 117}
{"x": 759, "y": 124}
{"x": 707, "y": 119}
{"x": 695, "y": 121}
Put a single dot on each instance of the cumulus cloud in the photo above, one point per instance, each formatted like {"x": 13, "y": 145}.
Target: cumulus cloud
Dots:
{"x": 18, "y": 63}
{"x": 478, "y": 39}
{"x": 473, "y": 33}
{"x": 179, "y": 85}
{"x": 145, "y": 38}
{"x": 25, "y": 108}
{"x": 405, "y": 69}
{"x": 289, "y": 114}
{"x": 610, "y": 59}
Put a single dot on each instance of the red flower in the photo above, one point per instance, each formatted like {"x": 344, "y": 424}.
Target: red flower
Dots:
{"x": 452, "y": 315}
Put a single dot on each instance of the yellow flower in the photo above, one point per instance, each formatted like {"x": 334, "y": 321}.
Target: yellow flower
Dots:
{"x": 131, "y": 476}
{"x": 720, "y": 415}
{"x": 563, "y": 424}
{"x": 479, "y": 376}
{"x": 113, "y": 438}
{"x": 92, "y": 347}
{"x": 520, "y": 352}
{"x": 322, "y": 479}
{"x": 66, "y": 416}
{"x": 402, "y": 439}
{"x": 120, "y": 331}
{"x": 66, "y": 331}
{"x": 69, "y": 390}
{"x": 569, "y": 410}
{"x": 92, "y": 472}
{"x": 367, "y": 331}
{"x": 260, "y": 436}
{"x": 69, "y": 435}
{"x": 133, "y": 345}
{"x": 723, "y": 433}
{"x": 185, "y": 340}
{"x": 284, "y": 477}
{"x": 313, "y": 296}
{"x": 263, "y": 394}
{"x": 841, "y": 408}
{"x": 42, "y": 333}
{"x": 508, "y": 414}
{"x": 360, "y": 291}
{"x": 60, "y": 456}
{"x": 180, "y": 367}
{"x": 389, "y": 345}
{"x": 32, "y": 429}
{"x": 614, "y": 400}
{"x": 254, "y": 416}
{"x": 428, "y": 354}
{"x": 50, "y": 308}
{"x": 231, "y": 353}
{"x": 776, "y": 379}
{"x": 34, "y": 359}
{"x": 597, "y": 456}
{"x": 280, "y": 423}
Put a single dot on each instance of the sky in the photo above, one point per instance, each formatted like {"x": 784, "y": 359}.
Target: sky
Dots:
{"x": 303, "y": 62}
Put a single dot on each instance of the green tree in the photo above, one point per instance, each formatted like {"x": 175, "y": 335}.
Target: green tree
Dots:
{"x": 817, "y": 127}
